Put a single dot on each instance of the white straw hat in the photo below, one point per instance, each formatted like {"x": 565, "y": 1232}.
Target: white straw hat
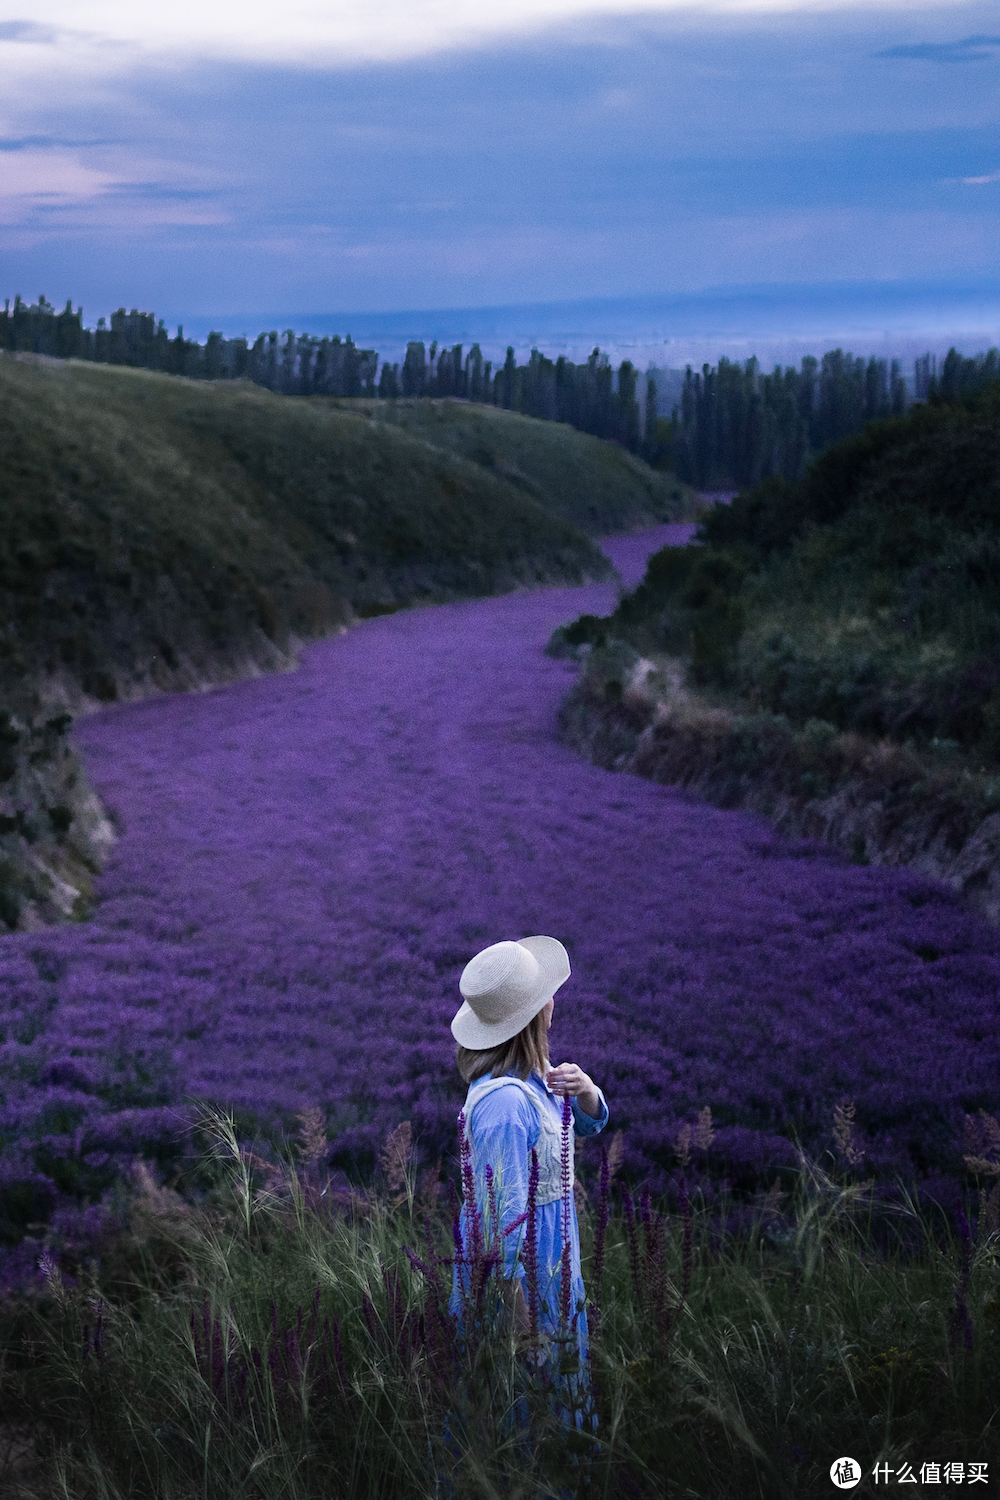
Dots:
{"x": 505, "y": 986}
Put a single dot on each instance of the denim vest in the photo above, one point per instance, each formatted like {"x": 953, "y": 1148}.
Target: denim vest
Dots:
{"x": 549, "y": 1145}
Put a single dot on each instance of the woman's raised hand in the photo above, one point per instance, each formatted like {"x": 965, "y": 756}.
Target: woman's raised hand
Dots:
{"x": 570, "y": 1079}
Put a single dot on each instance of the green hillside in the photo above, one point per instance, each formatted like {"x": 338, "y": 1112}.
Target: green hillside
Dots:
{"x": 157, "y": 532}
{"x": 596, "y": 485}
{"x": 828, "y": 653}
{"x": 866, "y": 595}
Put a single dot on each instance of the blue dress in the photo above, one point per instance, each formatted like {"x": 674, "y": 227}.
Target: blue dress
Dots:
{"x": 504, "y": 1122}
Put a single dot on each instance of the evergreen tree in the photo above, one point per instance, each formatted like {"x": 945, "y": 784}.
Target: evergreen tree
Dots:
{"x": 650, "y": 441}
{"x": 214, "y": 348}
{"x": 627, "y": 413}
{"x": 459, "y": 384}
{"x": 897, "y": 390}
{"x": 474, "y": 381}
{"x": 353, "y": 383}
{"x": 508, "y": 377}
{"x": 415, "y": 370}
{"x": 388, "y": 385}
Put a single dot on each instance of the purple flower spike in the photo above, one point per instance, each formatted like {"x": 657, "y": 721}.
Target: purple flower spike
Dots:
{"x": 417, "y": 1263}
{"x": 565, "y": 1260}
{"x": 473, "y": 1212}
{"x": 491, "y": 1192}
{"x": 456, "y": 1224}
{"x": 529, "y": 1253}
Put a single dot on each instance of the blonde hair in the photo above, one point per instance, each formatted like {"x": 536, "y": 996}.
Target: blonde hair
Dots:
{"x": 526, "y": 1051}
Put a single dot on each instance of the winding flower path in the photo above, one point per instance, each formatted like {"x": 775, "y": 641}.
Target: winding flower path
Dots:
{"x": 308, "y": 861}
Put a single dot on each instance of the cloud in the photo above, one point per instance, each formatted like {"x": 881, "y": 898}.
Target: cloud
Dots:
{"x": 970, "y": 49}
{"x": 301, "y": 31}
{"x": 31, "y": 179}
{"x": 27, "y": 31}
{"x": 604, "y": 158}
{"x": 98, "y": 188}
{"x": 308, "y": 32}
{"x": 976, "y": 181}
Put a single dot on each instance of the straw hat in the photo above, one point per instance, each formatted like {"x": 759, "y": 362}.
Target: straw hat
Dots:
{"x": 505, "y": 986}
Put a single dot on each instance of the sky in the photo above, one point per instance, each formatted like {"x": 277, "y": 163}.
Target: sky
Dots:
{"x": 236, "y": 165}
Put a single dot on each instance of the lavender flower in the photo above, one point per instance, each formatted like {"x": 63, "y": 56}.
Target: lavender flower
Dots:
{"x": 456, "y": 1226}
{"x": 473, "y": 1211}
{"x": 491, "y": 1198}
{"x": 654, "y": 1267}
{"x": 529, "y": 1252}
{"x": 296, "y": 889}
{"x": 565, "y": 1261}
{"x": 418, "y": 1264}
{"x": 479, "y": 1262}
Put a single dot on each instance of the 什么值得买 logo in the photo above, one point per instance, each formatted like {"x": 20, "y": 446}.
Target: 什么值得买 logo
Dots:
{"x": 845, "y": 1473}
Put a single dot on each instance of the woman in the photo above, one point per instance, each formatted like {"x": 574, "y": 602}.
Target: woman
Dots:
{"x": 514, "y": 1105}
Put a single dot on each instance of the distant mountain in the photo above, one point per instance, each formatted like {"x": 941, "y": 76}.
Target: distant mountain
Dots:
{"x": 776, "y": 322}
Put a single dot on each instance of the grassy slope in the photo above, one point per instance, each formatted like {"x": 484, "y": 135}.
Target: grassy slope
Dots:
{"x": 155, "y": 532}
{"x": 597, "y": 486}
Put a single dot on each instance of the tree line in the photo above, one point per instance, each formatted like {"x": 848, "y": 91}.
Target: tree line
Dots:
{"x": 736, "y": 425}
{"x": 591, "y": 396}
{"x": 294, "y": 364}
{"x": 733, "y": 426}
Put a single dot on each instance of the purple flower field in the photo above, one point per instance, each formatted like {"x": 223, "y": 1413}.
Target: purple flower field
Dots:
{"x": 308, "y": 861}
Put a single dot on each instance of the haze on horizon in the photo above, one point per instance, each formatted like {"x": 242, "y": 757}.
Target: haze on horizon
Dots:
{"x": 211, "y": 160}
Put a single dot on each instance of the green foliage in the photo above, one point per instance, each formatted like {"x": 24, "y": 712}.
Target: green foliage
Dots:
{"x": 866, "y": 594}
{"x": 958, "y": 376}
{"x": 156, "y": 532}
{"x": 274, "y": 1334}
{"x": 737, "y": 426}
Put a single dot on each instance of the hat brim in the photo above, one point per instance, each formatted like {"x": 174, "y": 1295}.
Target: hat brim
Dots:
{"x": 553, "y": 963}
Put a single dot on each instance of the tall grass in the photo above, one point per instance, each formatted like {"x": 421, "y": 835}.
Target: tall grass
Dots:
{"x": 283, "y": 1337}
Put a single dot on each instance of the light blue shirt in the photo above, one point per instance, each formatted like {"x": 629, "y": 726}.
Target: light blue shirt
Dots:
{"x": 504, "y": 1127}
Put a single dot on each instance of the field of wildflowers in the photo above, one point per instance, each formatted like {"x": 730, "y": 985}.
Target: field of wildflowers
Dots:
{"x": 307, "y": 861}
